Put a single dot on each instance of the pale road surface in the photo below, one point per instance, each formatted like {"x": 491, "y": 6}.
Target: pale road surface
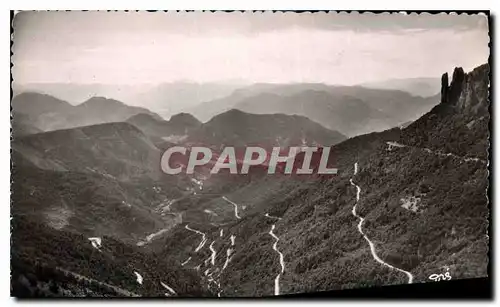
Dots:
{"x": 172, "y": 292}
{"x": 235, "y": 207}
{"x": 139, "y": 277}
{"x": 214, "y": 253}
{"x": 282, "y": 261}
{"x": 427, "y": 150}
{"x": 272, "y": 217}
{"x": 185, "y": 262}
{"x": 228, "y": 258}
{"x": 360, "y": 229}
{"x": 96, "y": 242}
{"x": 203, "y": 240}
{"x": 229, "y": 252}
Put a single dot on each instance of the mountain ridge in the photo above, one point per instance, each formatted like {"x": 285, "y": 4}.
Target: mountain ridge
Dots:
{"x": 49, "y": 113}
{"x": 238, "y": 128}
{"x": 379, "y": 109}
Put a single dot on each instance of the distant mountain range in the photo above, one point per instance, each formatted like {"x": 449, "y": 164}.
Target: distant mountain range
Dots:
{"x": 376, "y": 106}
{"x": 233, "y": 127}
{"x": 240, "y": 129}
{"x": 424, "y": 87}
{"x": 349, "y": 110}
{"x": 166, "y": 99}
{"x": 179, "y": 125}
{"x": 49, "y": 113}
{"x": 75, "y": 93}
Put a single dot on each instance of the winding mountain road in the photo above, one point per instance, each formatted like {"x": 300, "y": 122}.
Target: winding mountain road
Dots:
{"x": 393, "y": 145}
{"x": 172, "y": 292}
{"x": 229, "y": 252}
{"x": 203, "y": 240}
{"x": 235, "y": 207}
{"x": 282, "y": 261}
{"x": 185, "y": 262}
{"x": 370, "y": 243}
{"x": 272, "y": 217}
{"x": 214, "y": 253}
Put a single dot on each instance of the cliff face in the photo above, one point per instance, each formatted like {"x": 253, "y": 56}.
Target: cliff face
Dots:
{"x": 467, "y": 92}
{"x": 460, "y": 123}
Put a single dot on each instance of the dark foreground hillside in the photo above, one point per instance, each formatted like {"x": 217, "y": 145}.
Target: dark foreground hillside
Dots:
{"x": 50, "y": 263}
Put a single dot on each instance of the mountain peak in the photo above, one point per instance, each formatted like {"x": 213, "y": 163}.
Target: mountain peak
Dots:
{"x": 100, "y": 100}
{"x": 183, "y": 116}
{"x": 31, "y": 102}
{"x": 185, "y": 120}
{"x": 235, "y": 112}
{"x": 230, "y": 114}
{"x": 33, "y": 97}
{"x": 467, "y": 90}
{"x": 142, "y": 117}
{"x": 444, "y": 87}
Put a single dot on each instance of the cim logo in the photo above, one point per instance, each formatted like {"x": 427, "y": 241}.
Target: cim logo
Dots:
{"x": 291, "y": 160}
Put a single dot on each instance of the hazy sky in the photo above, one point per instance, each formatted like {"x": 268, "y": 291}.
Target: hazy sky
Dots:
{"x": 131, "y": 47}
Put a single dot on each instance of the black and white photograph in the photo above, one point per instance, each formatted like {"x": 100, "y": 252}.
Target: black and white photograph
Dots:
{"x": 249, "y": 154}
